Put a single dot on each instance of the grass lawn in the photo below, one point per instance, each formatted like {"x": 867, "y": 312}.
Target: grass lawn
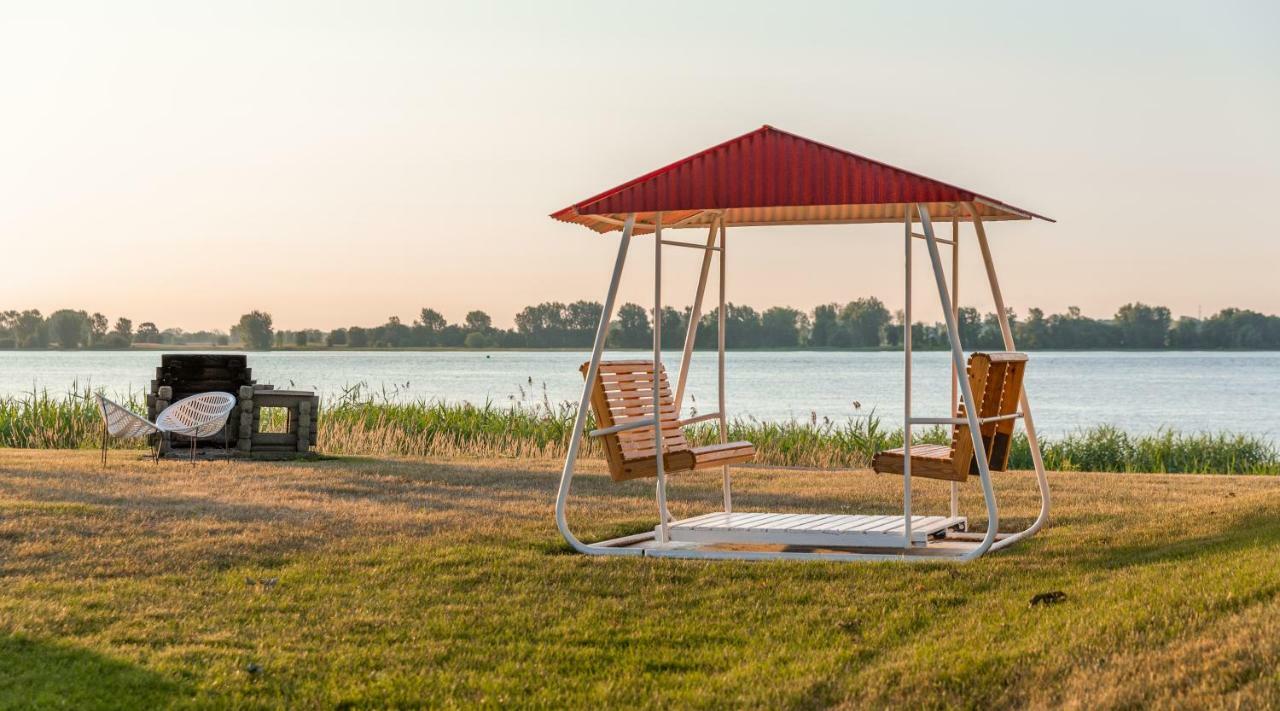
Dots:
{"x": 374, "y": 583}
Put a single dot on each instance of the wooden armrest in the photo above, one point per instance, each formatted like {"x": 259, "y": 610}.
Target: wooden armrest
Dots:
{"x": 698, "y": 418}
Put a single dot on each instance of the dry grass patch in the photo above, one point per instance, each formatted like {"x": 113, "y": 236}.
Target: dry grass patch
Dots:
{"x": 382, "y": 582}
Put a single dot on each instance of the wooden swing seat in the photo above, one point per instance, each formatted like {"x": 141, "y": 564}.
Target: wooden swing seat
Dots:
{"x": 996, "y": 380}
{"x": 623, "y": 393}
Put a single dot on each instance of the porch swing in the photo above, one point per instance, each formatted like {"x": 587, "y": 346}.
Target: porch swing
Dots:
{"x": 771, "y": 177}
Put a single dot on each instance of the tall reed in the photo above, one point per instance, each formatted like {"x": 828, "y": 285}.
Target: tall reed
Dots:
{"x": 371, "y": 423}
{"x": 40, "y": 420}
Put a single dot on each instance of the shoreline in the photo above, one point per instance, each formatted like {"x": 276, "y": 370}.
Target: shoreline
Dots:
{"x": 153, "y": 348}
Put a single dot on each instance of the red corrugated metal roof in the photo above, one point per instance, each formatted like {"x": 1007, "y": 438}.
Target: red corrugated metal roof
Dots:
{"x": 748, "y": 178}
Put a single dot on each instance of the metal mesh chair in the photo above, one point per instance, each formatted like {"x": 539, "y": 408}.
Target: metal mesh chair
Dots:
{"x": 198, "y": 416}
{"x": 120, "y": 422}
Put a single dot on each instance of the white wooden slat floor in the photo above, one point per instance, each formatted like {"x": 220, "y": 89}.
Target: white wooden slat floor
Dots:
{"x": 851, "y": 530}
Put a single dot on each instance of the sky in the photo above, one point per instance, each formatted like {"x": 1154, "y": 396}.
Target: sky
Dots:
{"x": 339, "y": 163}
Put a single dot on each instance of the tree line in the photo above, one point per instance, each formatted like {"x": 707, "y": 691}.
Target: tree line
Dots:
{"x": 859, "y": 324}
{"x": 69, "y": 329}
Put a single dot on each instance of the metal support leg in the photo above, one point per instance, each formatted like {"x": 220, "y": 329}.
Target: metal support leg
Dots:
{"x": 720, "y": 331}
{"x": 1002, "y": 315}
{"x": 695, "y": 314}
{"x": 966, "y": 390}
{"x": 955, "y": 309}
{"x": 580, "y": 420}
{"x": 658, "y": 445}
{"x": 906, "y": 389}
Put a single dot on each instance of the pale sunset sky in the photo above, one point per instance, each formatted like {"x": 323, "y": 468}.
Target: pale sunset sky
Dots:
{"x": 337, "y": 163}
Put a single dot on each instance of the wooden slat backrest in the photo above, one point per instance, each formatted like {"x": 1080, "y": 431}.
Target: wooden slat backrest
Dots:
{"x": 991, "y": 400}
{"x": 1002, "y": 431}
{"x": 961, "y": 442}
{"x": 622, "y": 393}
{"x": 600, "y": 408}
{"x": 996, "y": 382}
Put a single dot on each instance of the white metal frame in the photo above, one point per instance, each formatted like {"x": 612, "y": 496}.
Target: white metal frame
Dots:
{"x": 959, "y": 546}
{"x": 120, "y": 422}
{"x": 198, "y": 416}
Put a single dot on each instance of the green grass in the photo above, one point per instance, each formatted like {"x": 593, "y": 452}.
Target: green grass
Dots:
{"x": 365, "y": 424}
{"x": 375, "y": 583}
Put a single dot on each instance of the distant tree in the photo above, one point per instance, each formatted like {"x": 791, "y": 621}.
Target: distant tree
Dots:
{"x": 29, "y": 329}
{"x": 632, "y": 329}
{"x": 803, "y": 326}
{"x": 300, "y": 338}
{"x": 278, "y": 339}
{"x": 990, "y": 337}
{"x": 926, "y": 337}
{"x": 97, "y": 328}
{"x": 70, "y": 329}
{"x": 708, "y": 335}
{"x": 147, "y": 333}
{"x": 124, "y": 328}
{"x": 476, "y": 339}
{"x": 543, "y": 324}
{"x": 428, "y": 327}
{"x": 1034, "y": 334}
{"x": 255, "y": 330}
{"x": 511, "y": 338}
{"x": 862, "y": 321}
{"x": 115, "y": 341}
{"x": 478, "y": 322}
{"x": 581, "y": 319}
{"x": 1143, "y": 326}
{"x": 358, "y": 337}
{"x": 7, "y": 319}
{"x": 743, "y": 329}
{"x": 674, "y": 325}
{"x": 394, "y": 333}
{"x": 431, "y": 320}
{"x": 336, "y": 337}
{"x": 452, "y": 336}
{"x": 1074, "y": 330}
{"x": 1240, "y": 328}
{"x": 782, "y": 327}
{"x": 824, "y": 325}
{"x": 222, "y": 339}
{"x": 741, "y": 326}
{"x": 969, "y": 322}
{"x": 891, "y": 334}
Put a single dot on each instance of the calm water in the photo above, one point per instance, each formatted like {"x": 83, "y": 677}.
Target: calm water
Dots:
{"x": 1139, "y": 392}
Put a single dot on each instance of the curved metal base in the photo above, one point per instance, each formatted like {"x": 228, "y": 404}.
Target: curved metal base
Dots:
{"x": 956, "y": 547}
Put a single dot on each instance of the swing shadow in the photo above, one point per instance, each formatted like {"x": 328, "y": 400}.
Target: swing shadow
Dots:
{"x": 42, "y": 674}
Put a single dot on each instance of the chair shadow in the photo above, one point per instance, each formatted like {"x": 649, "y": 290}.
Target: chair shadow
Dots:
{"x": 42, "y": 674}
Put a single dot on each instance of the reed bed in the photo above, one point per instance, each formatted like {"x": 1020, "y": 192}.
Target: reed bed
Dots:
{"x": 361, "y": 423}
{"x": 40, "y": 420}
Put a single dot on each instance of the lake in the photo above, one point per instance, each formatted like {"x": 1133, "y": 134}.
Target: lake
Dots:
{"x": 1136, "y": 391}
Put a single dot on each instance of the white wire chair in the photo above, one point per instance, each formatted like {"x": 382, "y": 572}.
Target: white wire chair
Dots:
{"x": 196, "y": 417}
{"x": 121, "y": 423}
